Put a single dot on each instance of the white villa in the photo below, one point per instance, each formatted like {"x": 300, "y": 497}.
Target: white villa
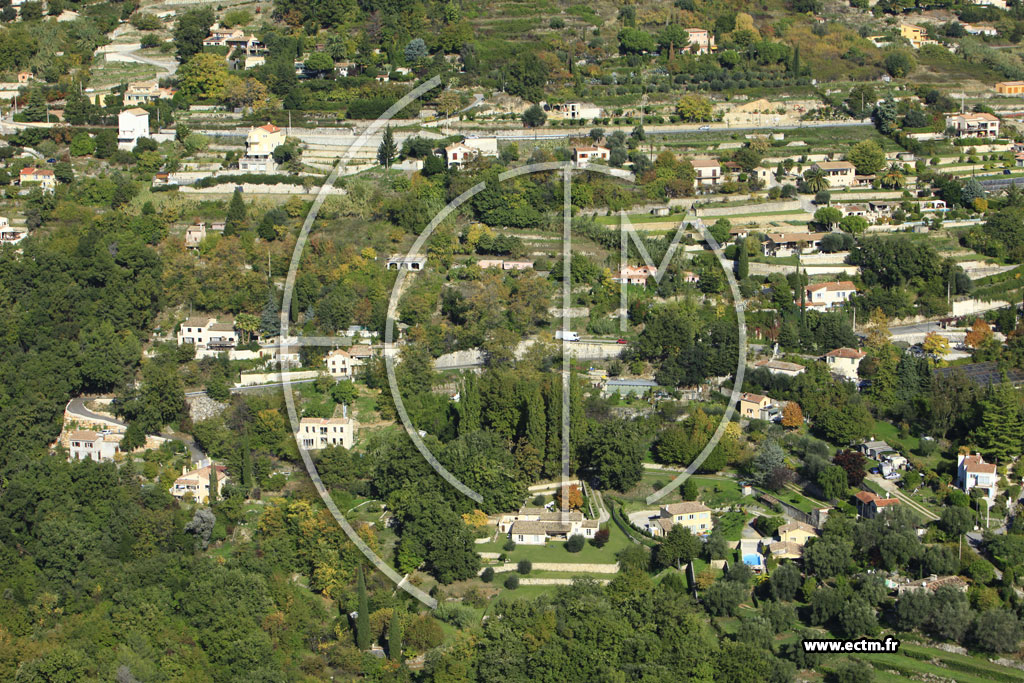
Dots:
{"x": 536, "y": 526}
{"x": 315, "y": 433}
{"x": 973, "y": 472}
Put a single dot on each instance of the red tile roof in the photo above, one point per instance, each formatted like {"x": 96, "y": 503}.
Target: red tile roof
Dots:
{"x": 845, "y": 352}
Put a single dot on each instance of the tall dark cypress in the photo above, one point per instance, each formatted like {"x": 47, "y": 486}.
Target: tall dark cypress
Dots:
{"x": 363, "y": 617}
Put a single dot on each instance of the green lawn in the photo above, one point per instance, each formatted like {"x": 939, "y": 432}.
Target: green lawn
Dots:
{"x": 731, "y": 524}
{"x": 886, "y": 431}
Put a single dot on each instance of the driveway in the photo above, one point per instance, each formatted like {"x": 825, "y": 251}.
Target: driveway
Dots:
{"x": 890, "y": 487}
{"x": 76, "y": 408}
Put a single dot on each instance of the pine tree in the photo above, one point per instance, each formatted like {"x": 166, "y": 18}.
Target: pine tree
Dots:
{"x": 999, "y": 434}
{"x": 363, "y": 615}
{"x": 213, "y": 484}
{"x": 387, "y": 151}
{"x": 395, "y": 637}
{"x": 270, "y": 318}
{"x": 236, "y": 214}
{"x": 35, "y": 109}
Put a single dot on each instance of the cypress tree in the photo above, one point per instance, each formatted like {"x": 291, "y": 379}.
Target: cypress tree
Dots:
{"x": 742, "y": 261}
{"x": 387, "y": 151}
{"x": 395, "y": 637}
{"x": 363, "y": 616}
{"x": 796, "y": 61}
{"x": 213, "y": 483}
{"x": 236, "y": 214}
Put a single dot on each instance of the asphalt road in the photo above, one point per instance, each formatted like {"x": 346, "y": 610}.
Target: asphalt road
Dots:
{"x": 76, "y": 407}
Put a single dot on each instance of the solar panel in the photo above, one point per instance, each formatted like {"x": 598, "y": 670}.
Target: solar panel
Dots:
{"x": 985, "y": 374}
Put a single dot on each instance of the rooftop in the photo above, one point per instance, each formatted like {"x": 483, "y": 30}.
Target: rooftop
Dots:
{"x": 686, "y": 507}
{"x": 845, "y": 352}
{"x": 843, "y": 286}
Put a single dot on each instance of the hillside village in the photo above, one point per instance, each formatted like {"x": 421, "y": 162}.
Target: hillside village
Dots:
{"x": 453, "y": 340}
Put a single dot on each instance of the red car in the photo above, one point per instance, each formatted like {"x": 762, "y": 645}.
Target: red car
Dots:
{"x": 622, "y": 341}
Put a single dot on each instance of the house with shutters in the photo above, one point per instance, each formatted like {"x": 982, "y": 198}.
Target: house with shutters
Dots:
{"x": 208, "y": 335}
{"x": 973, "y": 125}
{"x": 691, "y": 514}
{"x": 581, "y": 156}
{"x": 828, "y": 294}
{"x": 870, "y": 505}
{"x": 260, "y": 144}
{"x": 839, "y": 173}
{"x": 844, "y": 362}
{"x": 972, "y": 472}
{"x": 537, "y": 526}
{"x": 85, "y": 444}
{"x": 708, "y": 172}
{"x": 196, "y": 484}
{"x": 315, "y": 433}
{"x": 43, "y": 176}
{"x": 342, "y": 365}
{"x": 755, "y": 406}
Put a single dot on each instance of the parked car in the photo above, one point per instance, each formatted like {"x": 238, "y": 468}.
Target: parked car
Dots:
{"x": 621, "y": 341}
{"x": 704, "y": 128}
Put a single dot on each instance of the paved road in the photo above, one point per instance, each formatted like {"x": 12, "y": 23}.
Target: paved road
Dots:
{"x": 76, "y": 407}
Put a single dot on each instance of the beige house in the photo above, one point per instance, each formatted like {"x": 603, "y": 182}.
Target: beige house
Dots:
{"x": 796, "y": 532}
{"x": 341, "y": 364}
{"x": 195, "y": 234}
{"x": 43, "y": 176}
{"x": 693, "y": 515}
{"x": 315, "y": 433}
{"x": 197, "y": 483}
{"x": 974, "y": 124}
{"x": 581, "y": 156}
{"x": 701, "y": 42}
{"x": 839, "y": 173}
{"x": 635, "y": 275}
{"x": 780, "y": 367}
{"x": 260, "y": 144}
{"x": 146, "y": 92}
{"x": 708, "y": 172}
{"x": 791, "y": 243}
{"x": 85, "y": 444}
{"x": 844, "y": 362}
{"x": 829, "y": 294}
{"x": 781, "y": 550}
{"x": 208, "y": 335}
{"x": 536, "y": 526}
{"x": 753, "y": 406}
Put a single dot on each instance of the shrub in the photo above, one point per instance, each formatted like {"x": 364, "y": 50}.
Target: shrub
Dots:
{"x": 601, "y": 537}
{"x": 512, "y": 582}
{"x": 538, "y": 500}
{"x": 575, "y": 543}
{"x": 509, "y": 546}
{"x": 524, "y": 566}
{"x": 487, "y": 575}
